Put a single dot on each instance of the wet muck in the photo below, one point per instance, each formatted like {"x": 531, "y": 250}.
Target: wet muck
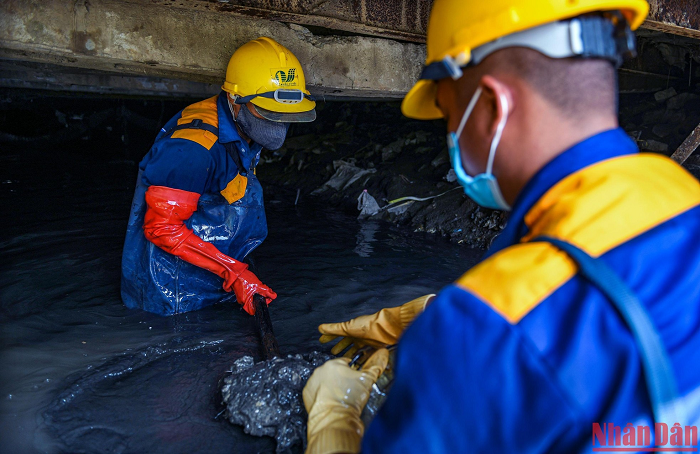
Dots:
{"x": 265, "y": 398}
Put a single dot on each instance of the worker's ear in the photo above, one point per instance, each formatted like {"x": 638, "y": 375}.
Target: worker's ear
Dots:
{"x": 499, "y": 98}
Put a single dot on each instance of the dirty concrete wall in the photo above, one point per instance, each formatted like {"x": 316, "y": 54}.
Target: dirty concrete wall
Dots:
{"x": 139, "y": 38}
{"x": 681, "y": 17}
{"x": 405, "y": 20}
{"x": 168, "y": 47}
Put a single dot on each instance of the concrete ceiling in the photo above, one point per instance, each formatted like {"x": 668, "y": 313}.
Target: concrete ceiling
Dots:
{"x": 349, "y": 48}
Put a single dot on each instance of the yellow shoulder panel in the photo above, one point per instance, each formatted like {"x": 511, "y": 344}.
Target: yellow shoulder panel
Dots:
{"x": 611, "y": 202}
{"x": 203, "y": 110}
{"x": 235, "y": 189}
{"x": 207, "y": 112}
{"x": 597, "y": 209}
{"x": 515, "y": 280}
{"x": 204, "y": 138}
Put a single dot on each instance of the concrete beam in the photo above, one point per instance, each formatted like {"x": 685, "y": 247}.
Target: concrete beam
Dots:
{"x": 635, "y": 81}
{"x": 42, "y": 76}
{"x": 175, "y": 47}
{"x": 145, "y": 39}
{"x": 405, "y": 19}
{"x": 679, "y": 17}
{"x": 689, "y": 145}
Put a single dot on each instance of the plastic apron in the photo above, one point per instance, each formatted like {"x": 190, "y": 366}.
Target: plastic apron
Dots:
{"x": 159, "y": 282}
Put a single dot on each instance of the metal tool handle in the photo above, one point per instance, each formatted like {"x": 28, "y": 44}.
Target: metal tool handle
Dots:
{"x": 267, "y": 336}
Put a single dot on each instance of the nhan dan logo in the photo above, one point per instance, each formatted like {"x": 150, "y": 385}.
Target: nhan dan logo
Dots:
{"x": 284, "y": 76}
{"x": 661, "y": 437}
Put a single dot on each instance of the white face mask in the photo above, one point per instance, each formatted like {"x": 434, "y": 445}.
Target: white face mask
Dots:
{"x": 483, "y": 188}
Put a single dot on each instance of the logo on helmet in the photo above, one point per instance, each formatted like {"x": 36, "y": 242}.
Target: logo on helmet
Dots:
{"x": 285, "y": 78}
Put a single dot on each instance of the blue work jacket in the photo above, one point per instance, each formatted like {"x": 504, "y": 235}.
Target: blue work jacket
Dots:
{"x": 230, "y": 212}
{"x": 521, "y": 354}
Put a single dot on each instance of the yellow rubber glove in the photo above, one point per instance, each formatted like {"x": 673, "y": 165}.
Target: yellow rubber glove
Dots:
{"x": 334, "y": 397}
{"x": 377, "y": 330}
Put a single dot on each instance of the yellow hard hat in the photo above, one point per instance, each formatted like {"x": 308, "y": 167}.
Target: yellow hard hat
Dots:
{"x": 458, "y": 29}
{"x": 269, "y": 76}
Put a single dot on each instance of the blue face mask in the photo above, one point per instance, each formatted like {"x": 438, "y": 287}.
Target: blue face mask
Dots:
{"x": 483, "y": 188}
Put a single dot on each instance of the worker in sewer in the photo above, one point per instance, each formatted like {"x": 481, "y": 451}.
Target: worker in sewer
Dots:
{"x": 586, "y": 309}
{"x": 198, "y": 207}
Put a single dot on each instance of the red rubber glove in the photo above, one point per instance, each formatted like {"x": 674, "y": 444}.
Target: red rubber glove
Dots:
{"x": 246, "y": 286}
{"x": 164, "y": 226}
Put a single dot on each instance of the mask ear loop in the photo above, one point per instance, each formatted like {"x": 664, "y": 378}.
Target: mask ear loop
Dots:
{"x": 499, "y": 132}
{"x": 468, "y": 112}
{"x": 230, "y": 107}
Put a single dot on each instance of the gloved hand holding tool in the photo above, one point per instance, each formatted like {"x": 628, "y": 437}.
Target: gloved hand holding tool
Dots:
{"x": 164, "y": 225}
{"x": 334, "y": 397}
{"x": 376, "y": 330}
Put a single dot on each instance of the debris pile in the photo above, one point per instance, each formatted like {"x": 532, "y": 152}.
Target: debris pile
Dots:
{"x": 374, "y": 153}
{"x": 660, "y": 91}
{"x": 266, "y": 398}
{"x": 369, "y": 150}
{"x": 660, "y": 121}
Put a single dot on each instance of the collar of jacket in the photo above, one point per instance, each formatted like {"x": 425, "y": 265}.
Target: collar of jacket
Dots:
{"x": 227, "y": 128}
{"x": 600, "y": 147}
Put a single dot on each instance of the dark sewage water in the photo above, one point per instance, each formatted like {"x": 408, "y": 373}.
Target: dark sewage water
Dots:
{"x": 80, "y": 373}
